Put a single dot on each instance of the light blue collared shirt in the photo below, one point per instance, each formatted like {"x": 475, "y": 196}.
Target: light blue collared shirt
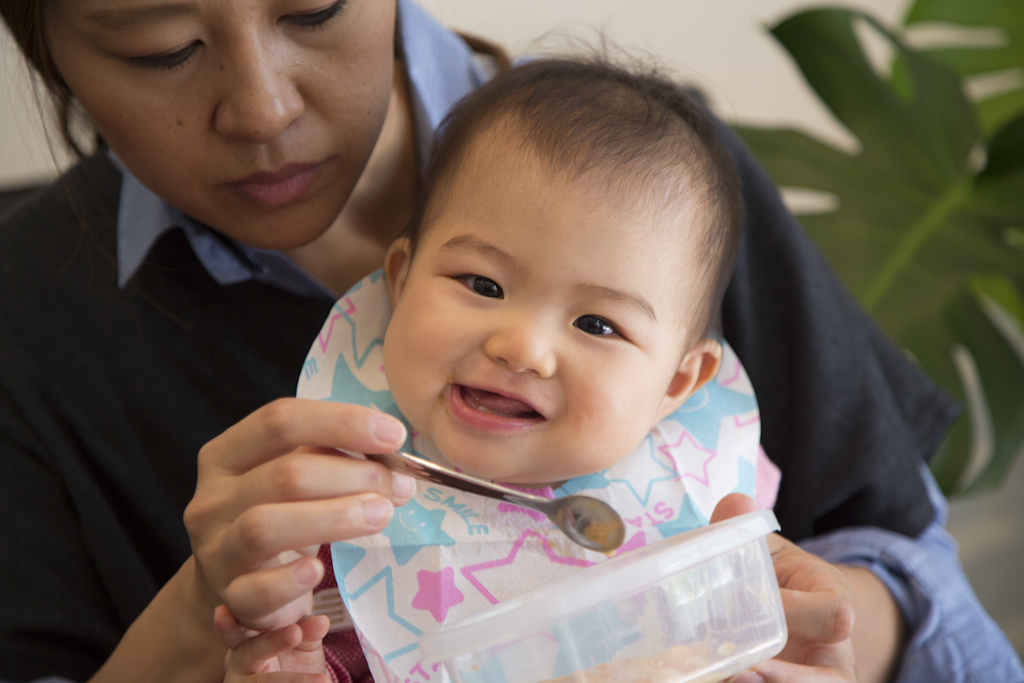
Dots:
{"x": 951, "y": 638}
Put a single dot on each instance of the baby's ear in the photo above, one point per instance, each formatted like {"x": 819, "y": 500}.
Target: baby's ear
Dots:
{"x": 396, "y": 267}
{"x": 698, "y": 367}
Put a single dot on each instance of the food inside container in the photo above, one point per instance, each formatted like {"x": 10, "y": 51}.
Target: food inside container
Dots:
{"x": 698, "y": 607}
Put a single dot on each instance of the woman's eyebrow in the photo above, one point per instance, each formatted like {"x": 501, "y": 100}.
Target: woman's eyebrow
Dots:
{"x": 473, "y": 243}
{"x": 634, "y": 301}
{"x": 131, "y": 17}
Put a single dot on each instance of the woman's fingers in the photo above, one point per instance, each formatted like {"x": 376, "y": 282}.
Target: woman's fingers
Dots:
{"x": 230, "y": 632}
{"x": 281, "y": 426}
{"x": 733, "y": 505}
{"x": 272, "y": 484}
{"x": 822, "y": 617}
{"x": 257, "y": 659}
{"x": 826, "y": 664}
{"x": 816, "y": 596}
{"x": 281, "y": 454}
{"x": 313, "y": 631}
{"x": 303, "y": 475}
{"x": 819, "y": 608}
{"x": 268, "y": 598}
{"x": 288, "y": 677}
{"x": 265, "y": 531}
{"x": 260, "y": 656}
{"x": 256, "y": 655}
{"x": 260, "y": 582}
{"x": 291, "y": 654}
{"x": 240, "y": 523}
{"x": 250, "y": 565}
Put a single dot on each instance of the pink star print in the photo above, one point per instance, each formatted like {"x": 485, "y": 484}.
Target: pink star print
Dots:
{"x": 553, "y": 557}
{"x": 437, "y": 593}
{"x": 324, "y": 341}
{"x": 735, "y": 375}
{"x": 691, "y": 454}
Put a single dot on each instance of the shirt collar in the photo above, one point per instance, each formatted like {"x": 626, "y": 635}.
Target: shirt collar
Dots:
{"x": 441, "y": 69}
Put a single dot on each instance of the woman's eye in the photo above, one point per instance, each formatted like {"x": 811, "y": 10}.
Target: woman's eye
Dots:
{"x": 318, "y": 18}
{"x": 484, "y": 286}
{"x": 591, "y": 324}
{"x": 168, "y": 60}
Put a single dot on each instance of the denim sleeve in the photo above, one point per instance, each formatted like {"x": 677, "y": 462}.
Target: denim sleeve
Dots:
{"x": 951, "y": 637}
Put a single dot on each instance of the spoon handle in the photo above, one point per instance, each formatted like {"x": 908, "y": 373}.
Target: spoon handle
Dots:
{"x": 432, "y": 472}
{"x": 587, "y": 521}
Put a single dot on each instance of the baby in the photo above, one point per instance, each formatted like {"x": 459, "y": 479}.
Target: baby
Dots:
{"x": 557, "y": 291}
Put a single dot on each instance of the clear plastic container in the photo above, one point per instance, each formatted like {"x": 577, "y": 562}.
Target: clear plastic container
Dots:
{"x": 697, "y": 607}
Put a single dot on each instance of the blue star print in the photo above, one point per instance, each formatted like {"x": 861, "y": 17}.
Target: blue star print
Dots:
{"x": 491, "y": 671}
{"x": 689, "y": 518}
{"x": 591, "y": 639}
{"x": 346, "y": 388}
{"x": 414, "y": 527}
{"x": 345, "y": 557}
{"x": 745, "y": 474}
{"x": 669, "y": 475}
{"x": 587, "y": 481}
{"x": 705, "y": 425}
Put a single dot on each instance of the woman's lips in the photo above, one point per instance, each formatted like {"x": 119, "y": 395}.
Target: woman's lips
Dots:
{"x": 281, "y": 187}
{"x": 489, "y": 410}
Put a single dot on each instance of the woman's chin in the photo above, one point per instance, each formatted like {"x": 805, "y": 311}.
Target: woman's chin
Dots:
{"x": 284, "y": 228}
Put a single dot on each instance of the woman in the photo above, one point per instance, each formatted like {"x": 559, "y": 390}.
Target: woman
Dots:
{"x": 158, "y": 300}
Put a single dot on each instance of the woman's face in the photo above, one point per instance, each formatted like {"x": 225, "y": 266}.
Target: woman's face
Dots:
{"x": 255, "y": 117}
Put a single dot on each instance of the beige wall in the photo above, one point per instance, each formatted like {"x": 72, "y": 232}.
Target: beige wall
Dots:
{"x": 719, "y": 45}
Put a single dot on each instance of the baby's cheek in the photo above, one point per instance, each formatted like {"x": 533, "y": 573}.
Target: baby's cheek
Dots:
{"x": 417, "y": 367}
{"x": 400, "y": 371}
{"x": 609, "y": 427}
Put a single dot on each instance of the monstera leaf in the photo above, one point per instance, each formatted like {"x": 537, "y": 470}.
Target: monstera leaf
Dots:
{"x": 1005, "y": 16}
{"x": 932, "y": 247}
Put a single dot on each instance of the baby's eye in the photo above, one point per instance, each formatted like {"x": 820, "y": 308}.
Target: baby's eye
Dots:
{"x": 591, "y": 324}
{"x": 484, "y": 286}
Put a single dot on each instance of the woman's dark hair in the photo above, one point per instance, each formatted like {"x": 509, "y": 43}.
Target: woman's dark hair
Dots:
{"x": 26, "y": 21}
{"x": 631, "y": 127}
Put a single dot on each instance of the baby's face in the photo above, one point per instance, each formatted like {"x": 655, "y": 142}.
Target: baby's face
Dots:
{"x": 538, "y": 333}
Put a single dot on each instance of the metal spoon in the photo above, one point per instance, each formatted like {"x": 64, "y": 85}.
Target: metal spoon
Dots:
{"x": 587, "y": 521}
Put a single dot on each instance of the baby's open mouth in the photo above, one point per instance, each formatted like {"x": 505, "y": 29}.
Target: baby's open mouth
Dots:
{"x": 496, "y": 404}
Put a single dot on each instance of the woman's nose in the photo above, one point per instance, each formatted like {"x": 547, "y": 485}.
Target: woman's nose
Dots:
{"x": 260, "y": 99}
{"x": 520, "y": 348}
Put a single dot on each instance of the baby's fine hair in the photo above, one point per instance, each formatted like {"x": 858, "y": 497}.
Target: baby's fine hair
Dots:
{"x": 631, "y": 127}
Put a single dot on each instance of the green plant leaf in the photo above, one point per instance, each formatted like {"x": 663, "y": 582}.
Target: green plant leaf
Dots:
{"x": 1006, "y": 151}
{"x": 915, "y": 226}
{"x": 987, "y": 321}
{"x": 1006, "y": 15}
{"x": 994, "y": 112}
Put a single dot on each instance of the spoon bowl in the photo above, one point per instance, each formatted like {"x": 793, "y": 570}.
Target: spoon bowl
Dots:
{"x": 588, "y": 522}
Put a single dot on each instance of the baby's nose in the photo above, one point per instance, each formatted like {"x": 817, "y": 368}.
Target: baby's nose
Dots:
{"x": 522, "y": 349}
